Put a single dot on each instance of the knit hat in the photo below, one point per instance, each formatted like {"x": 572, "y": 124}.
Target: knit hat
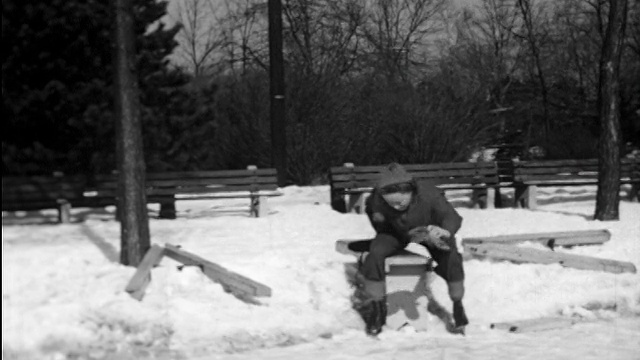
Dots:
{"x": 393, "y": 174}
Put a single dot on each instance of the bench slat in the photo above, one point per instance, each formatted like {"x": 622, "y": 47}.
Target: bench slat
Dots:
{"x": 195, "y": 174}
{"x": 412, "y": 167}
{"x": 485, "y": 173}
{"x": 196, "y": 182}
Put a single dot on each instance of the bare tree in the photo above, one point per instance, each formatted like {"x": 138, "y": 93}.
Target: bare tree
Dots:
{"x": 535, "y": 36}
{"x": 608, "y": 196}
{"x": 398, "y": 33}
{"x": 487, "y": 47}
{"x": 244, "y": 27}
{"x": 200, "y": 38}
{"x": 132, "y": 202}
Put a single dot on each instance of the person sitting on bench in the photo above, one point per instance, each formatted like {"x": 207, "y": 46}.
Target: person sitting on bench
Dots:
{"x": 402, "y": 211}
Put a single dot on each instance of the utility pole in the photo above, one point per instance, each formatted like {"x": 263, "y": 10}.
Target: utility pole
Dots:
{"x": 131, "y": 199}
{"x": 276, "y": 92}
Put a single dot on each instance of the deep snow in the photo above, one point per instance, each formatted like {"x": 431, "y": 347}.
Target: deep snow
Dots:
{"x": 63, "y": 289}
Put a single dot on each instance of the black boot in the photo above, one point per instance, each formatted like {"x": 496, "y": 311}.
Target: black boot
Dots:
{"x": 375, "y": 316}
{"x": 459, "y": 316}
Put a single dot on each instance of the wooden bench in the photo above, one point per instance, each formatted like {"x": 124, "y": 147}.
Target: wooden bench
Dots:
{"x": 43, "y": 192}
{"x": 165, "y": 188}
{"x": 529, "y": 175}
{"x": 349, "y": 183}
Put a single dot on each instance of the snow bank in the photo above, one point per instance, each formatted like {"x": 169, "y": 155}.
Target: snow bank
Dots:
{"x": 63, "y": 287}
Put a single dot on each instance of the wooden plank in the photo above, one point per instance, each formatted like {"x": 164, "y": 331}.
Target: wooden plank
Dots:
{"x": 532, "y": 325}
{"x": 212, "y": 174}
{"x": 412, "y": 167}
{"x": 212, "y": 181}
{"x": 564, "y": 238}
{"x": 43, "y": 180}
{"x": 140, "y": 280}
{"x": 267, "y": 172}
{"x": 421, "y": 175}
{"x": 519, "y": 254}
{"x": 235, "y": 283}
{"x": 556, "y": 163}
{"x": 556, "y": 170}
{"x": 207, "y": 190}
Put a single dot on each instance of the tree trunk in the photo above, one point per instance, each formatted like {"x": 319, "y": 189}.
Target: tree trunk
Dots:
{"x": 134, "y": 222}
{"x": 276, "y": 90}
{"x": 608, "y": 196}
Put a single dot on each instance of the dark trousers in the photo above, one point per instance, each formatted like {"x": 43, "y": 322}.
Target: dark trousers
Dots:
{"x": 385, "y": 245}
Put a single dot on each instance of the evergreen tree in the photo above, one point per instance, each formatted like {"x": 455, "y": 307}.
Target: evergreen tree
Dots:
{"x": 57, "y": 77}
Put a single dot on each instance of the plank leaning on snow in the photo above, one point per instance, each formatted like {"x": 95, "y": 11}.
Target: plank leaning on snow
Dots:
{"x": 528, "y": 255}
{"x": 230, "y": 281}
{"x": 140, "y": 280}
{"x": 564, "y": 238}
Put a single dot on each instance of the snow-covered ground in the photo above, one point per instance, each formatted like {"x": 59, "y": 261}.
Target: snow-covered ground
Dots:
{"x": 63, "y": 289}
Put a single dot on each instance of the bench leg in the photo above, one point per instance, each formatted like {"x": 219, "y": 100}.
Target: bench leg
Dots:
{"x": 338, "y": 202}
{"x": 356, "y": 203}
{"x": 526, "y": 197}
{"x": 167, "y": 208}
{"x": 64, "y": 211}
{"x": 531, "y": 195}
{"x": 634, "y": 193}
{"x": 479, "y": 198}
{"x": 259, "y": 206}
{"x": 519, "y": 195}
{"x": 491, "y": 197}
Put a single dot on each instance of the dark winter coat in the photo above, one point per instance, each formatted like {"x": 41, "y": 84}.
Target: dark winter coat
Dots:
{"x": 428, "y": 207}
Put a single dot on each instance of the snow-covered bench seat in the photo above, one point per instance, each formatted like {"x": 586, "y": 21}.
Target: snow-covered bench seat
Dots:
{"x": 350, "y": 183}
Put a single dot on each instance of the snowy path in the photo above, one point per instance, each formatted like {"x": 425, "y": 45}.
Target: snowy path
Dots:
{"x": 603, "y": 340}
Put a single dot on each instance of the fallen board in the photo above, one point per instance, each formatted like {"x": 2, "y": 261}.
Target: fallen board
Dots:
{"x": 520, "y": 254}
{"x": 234, "y": 283}
{"x": 551, "y": 239}
{"x": 140, "y": 280}
{"x": 531, "y": 325}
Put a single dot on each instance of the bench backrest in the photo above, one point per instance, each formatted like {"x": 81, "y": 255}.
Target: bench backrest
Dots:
{"x": 194, "y": 182}
{"x": 41, "y": 192}
{"x": 567, "y": 172}
{"x": 463, "y": 175}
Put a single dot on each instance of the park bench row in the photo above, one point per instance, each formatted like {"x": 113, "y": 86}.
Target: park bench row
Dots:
{"x": 64, "y": 192}
{"x": 350, "y": 184}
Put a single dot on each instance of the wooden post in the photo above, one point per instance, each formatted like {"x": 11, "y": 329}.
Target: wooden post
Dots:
{"x": 64, "y": 211}
{"x": 530, "y": 197}
{"x": 491, "y": 197}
